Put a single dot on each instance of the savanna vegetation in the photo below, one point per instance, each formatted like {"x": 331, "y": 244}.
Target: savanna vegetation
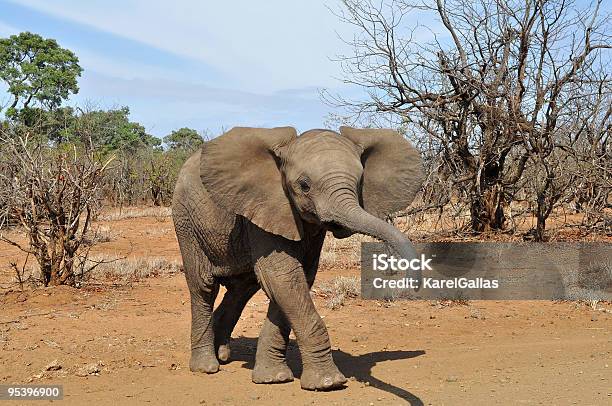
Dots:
{"x": 510, "y": 104}
{"x": 60, "y": 165}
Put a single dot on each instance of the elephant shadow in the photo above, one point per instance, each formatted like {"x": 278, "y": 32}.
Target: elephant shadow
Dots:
{"x": 358, "y": 366}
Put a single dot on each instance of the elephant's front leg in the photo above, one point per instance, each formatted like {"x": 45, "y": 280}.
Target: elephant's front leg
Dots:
{"x": 283, "y": 279}
{"x": 270, "y": 362}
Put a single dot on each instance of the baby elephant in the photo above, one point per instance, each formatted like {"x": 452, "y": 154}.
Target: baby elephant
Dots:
{"x": 251, "y": 210}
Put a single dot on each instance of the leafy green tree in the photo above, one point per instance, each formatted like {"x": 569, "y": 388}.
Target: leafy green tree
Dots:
{"x": 37, "y": 71}
{"x": 55, "y": 125}
{"x": 183, "y": 139}
{"x": 112, "y": 130}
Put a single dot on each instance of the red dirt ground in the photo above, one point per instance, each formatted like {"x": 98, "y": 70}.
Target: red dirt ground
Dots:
{"x": 137, "y": 336}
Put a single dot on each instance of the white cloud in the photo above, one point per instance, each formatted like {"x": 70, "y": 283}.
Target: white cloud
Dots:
{"x": 173, "y": 90}
{"x": 263, "y": 45}
{"x": 163, "y": 105}
{"x": 120, "y": 68}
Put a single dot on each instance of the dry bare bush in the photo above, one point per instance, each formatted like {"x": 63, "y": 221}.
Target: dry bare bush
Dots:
{"x": 508, "y": 101}
{"x": 338, "y": 290}
{"x": 144, "y": 176}
{"x": 53, "y": 194}
{"x": 26, "y": 275}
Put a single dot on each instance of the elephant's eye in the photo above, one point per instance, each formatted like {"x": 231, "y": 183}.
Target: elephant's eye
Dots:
{"x": 304, "y": 185}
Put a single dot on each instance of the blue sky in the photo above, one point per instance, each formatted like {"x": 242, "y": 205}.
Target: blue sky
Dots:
{"x": 200, "y": 64}
{"x": 208, "y": 65}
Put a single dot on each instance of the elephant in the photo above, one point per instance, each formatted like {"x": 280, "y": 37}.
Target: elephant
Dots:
{"x": 251, "y": 210}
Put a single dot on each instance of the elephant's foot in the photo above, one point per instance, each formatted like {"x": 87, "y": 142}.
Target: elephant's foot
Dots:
{"x": 222, "y": 342}
{"x": 203, "y": 361}
{"x": 315, "y": 377}
{"x": 223, "y": 352}
{"x": 277, "y": 372}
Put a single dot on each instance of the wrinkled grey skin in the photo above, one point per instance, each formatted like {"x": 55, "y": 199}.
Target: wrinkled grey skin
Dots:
{"x": 251, "y": 210}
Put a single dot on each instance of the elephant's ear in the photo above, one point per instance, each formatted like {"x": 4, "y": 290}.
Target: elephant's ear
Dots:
{"x": 240, "y": 170}
{"x": 392, "y": 169}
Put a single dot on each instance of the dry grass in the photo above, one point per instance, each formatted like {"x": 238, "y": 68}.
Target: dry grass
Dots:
{"x": 452, "y": 224}
{"x": 100, "y": 234}
{"x": 338, "y": 290}
{"x": 135, "y": 212}
{"x": 344, "y": 253}
{"x": 130, "y": 269}
{"x": 103, "y": 268}
{"x": 591, "y": 284}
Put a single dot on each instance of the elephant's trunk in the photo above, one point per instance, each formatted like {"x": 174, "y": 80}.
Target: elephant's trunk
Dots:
{"x": 355, "y": 219}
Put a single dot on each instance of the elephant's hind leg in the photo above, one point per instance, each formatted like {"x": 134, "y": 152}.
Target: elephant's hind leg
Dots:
{"x": 240, "y": 289}
{"x": 203, "y": 289}
{"x": 270, "y": 363}
{"x": 203, "y": 357}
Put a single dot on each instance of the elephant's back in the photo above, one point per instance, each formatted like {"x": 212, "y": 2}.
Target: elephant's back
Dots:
{"x": 198, "y": 217}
